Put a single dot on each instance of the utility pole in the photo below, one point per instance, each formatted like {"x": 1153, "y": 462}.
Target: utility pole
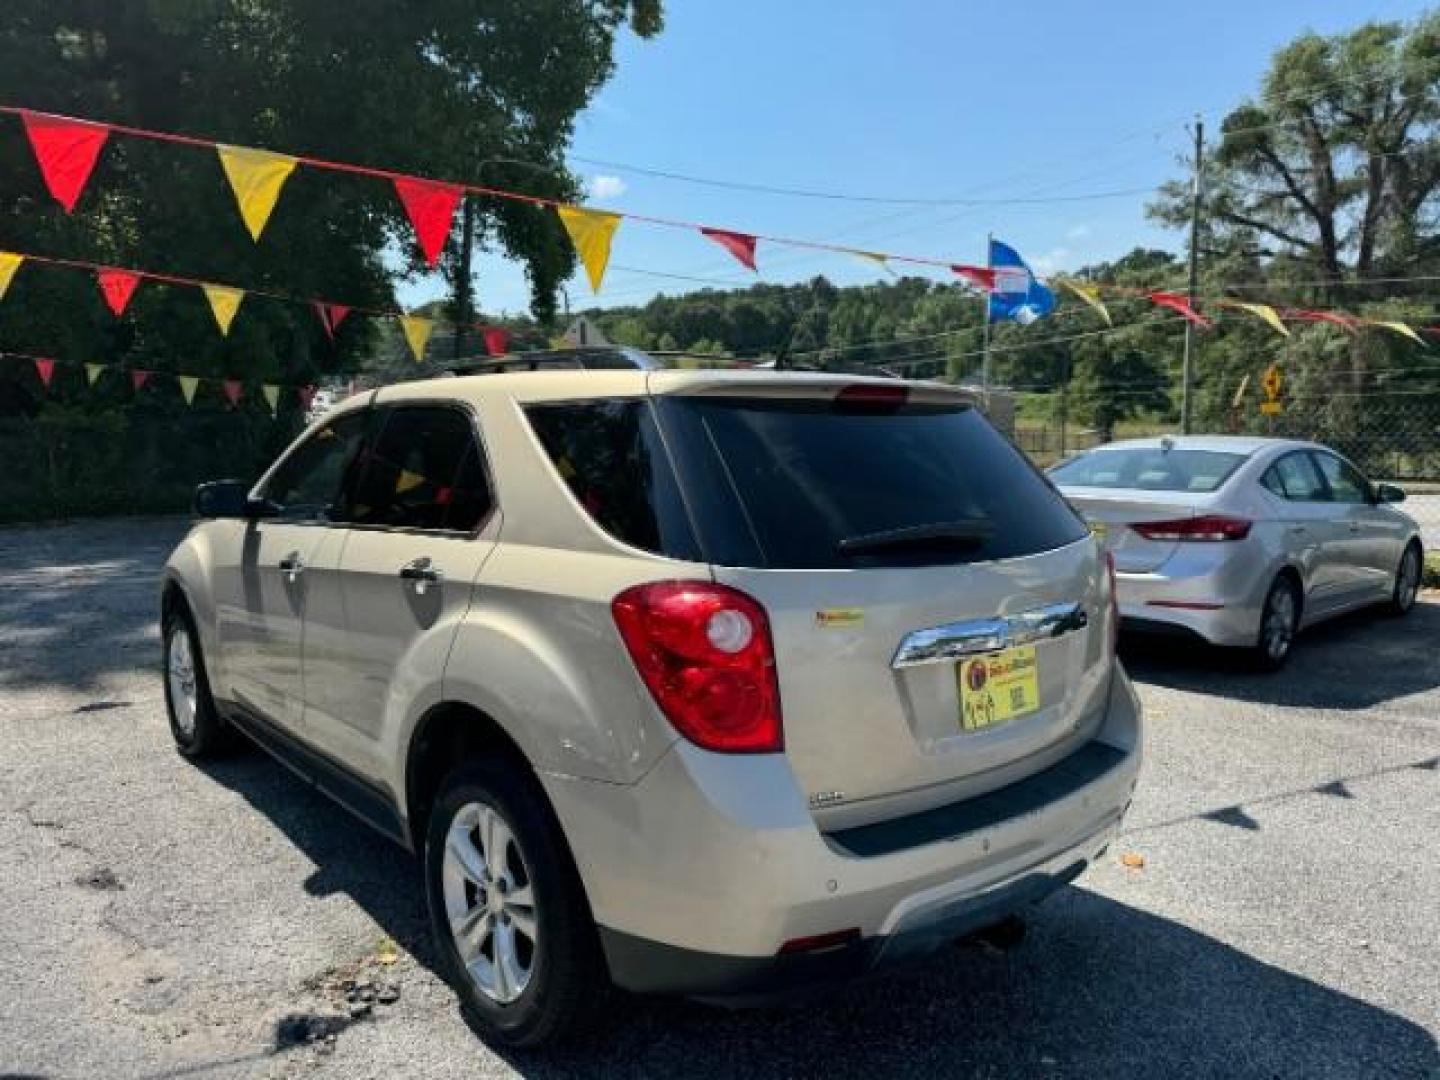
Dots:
{"x": 1187, "y": 364}
{"x": 985, "y": 332}
{"x": 464, "y": 287}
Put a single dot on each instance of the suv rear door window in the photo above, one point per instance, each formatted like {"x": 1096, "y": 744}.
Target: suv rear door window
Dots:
{"x": 424, "y": 470}
{"x": 791, "y": 483}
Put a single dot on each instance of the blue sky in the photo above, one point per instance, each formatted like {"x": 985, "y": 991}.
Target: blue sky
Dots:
{"x": 920, "y": 99}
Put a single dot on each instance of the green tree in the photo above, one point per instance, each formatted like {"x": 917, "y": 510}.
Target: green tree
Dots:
{"x": 442, "y": 88}
{"x": 1333, "y": 169}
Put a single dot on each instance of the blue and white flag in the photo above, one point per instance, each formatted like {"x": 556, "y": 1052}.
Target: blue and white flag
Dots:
{"x": 1016, "y": 296}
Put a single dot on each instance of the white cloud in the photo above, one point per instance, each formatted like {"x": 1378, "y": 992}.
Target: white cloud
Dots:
{"x": 1054, "y": 260}
{"x": 1077, "y": 232}
{"x": 607, "y": 187}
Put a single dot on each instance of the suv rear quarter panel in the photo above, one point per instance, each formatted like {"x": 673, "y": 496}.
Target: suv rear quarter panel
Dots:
{"x": 538, "y": 650}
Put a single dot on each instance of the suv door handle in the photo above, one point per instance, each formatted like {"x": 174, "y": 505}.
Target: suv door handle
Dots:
{"x": 1354, "y": 526}
{"x": 292, "y": 566}
{"x": 422, "y": 573}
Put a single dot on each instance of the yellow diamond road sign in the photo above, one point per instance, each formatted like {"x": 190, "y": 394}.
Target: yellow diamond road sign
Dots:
{"x": 1270, "y": 382}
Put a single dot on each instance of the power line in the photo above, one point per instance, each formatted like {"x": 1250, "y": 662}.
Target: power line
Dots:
{"x": 806, "y": 193}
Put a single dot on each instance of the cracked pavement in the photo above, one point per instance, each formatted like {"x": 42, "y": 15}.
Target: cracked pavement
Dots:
{"x": 163, "y": 920}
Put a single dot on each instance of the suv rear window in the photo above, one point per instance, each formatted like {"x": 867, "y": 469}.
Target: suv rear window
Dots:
{"x": 1149, "y": 468}
{"x": 787, "y": 483}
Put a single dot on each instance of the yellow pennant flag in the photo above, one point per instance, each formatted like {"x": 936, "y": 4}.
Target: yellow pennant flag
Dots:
{"x": 1399, "y": 328}
{"x": 272, "y": 397}
{"x": 224, "y": 302}
{"x": 1089, "y": 293}
{"x": 188, "y": 383}
{"x": 590, "y": 231}
{"x": 256, "y": 177}
{"x": 874, "y": 259}
{"x": 1260, "y": 311}
{"x": 92, "y": 372}
{"x": 9, "y": 263}
{"x": 417, "y": 333}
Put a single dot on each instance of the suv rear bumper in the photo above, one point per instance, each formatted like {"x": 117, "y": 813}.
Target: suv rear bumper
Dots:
{"x": 700, "y": 873}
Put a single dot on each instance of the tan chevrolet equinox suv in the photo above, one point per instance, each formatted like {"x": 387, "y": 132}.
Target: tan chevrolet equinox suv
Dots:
{"x": 716, "y": 683}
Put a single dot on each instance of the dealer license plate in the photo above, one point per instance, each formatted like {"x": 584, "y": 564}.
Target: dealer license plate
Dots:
{"x": 998, "y": 687}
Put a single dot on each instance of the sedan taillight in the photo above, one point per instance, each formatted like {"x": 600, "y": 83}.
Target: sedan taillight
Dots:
{"x": 1114, "y": 641}
{"x": 1206, "y": 527}
{"x": 705, "y": 653}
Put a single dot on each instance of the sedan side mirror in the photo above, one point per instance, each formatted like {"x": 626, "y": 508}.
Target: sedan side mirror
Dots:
{"x": 229, "y": 499}
{"x": 1389, "y": 493}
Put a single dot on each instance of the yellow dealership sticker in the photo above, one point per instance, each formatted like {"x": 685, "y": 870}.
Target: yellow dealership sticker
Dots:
{"x": 840, "y": 618}
{"x": 997, "y": 688}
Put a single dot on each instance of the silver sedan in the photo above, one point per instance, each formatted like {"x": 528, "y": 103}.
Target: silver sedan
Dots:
{"x": 1243, "y": 541}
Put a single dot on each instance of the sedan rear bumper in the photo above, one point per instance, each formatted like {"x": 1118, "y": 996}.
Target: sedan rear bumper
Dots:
{"x": 1214, "y": 591}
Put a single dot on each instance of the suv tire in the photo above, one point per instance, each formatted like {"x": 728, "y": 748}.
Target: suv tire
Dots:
{"x": 500, "y": 885}
{"x": 1279, "y": 623}
{"x": 196, "y": 725}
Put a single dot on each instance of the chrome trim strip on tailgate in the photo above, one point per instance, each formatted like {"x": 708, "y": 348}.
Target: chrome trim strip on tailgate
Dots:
{"x": 954, "y": 640}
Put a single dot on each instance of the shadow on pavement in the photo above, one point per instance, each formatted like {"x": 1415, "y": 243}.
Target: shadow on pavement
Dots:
{"x": 1097, "y": 989}
{"x": 82, "y": 601}
{"x": 1354, "y": 662}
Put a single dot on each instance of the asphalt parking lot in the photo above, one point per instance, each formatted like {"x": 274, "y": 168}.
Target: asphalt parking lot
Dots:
{"x": 162, "y": 920}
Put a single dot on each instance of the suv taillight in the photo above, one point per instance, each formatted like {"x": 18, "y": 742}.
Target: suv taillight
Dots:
{"x": 1205, "y": 527}
{"x": 705, "y": 653}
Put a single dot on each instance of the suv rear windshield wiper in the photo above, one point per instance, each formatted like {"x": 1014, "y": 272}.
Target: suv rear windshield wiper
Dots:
{"x": 965, "y": 533}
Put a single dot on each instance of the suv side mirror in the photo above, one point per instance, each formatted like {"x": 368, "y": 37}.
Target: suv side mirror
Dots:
{"x": 228, "y": 499}
{"x": 1389, "y": 493}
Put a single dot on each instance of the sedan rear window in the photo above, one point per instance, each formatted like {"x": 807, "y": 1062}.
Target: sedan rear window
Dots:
{"x": 787, "y": 483}
{"x": 1149, "y": 468}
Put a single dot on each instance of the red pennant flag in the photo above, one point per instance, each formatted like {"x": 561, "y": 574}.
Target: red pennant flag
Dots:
{"x": 45, "y": 369}
{"x": 331, "y": 316}
{"x": 497, "y": 340}
{"x": 66, "y": 151}
{"x": 1345, "y": 322}
{"x": 233, "y": 390}
{"x": 306, "y": 394}
{"x": 118, "y": 286}
{"x": 741, "y": 245}
{"x": 431, "y": 208}
{"x": 1176, "y": 302}
{"x": 138, "y": 377}
{"x": 982, "y": 277}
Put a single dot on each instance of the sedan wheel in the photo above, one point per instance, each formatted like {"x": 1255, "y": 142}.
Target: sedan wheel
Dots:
{"x": 1407, "y": 581}
{"x": 490, "y": 902}
{"x": 1279, "y": 621}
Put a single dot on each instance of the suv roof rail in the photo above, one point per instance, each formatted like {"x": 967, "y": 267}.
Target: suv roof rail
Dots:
{"x": 626, "y": 358}
{"x": 585, "y": 358}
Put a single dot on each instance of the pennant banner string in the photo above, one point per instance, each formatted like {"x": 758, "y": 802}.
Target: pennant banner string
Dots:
{"x": 279, "y": 166}
{"x": 11, "y": 261}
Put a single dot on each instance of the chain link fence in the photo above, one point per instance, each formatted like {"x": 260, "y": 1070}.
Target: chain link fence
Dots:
{"x": 67, "y": 463}
{"x": 1392, "y": 435}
